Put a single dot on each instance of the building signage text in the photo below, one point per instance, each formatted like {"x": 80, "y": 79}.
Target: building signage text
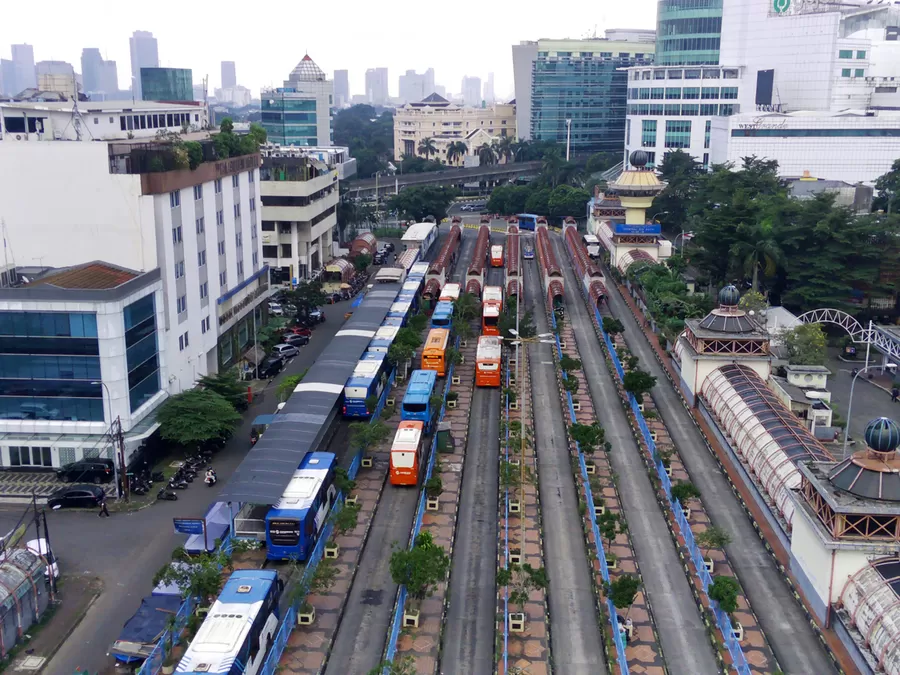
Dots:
{"x": 189, "y": 525}
{"x": 248, "y": 299}
{"x": 649, "y": 228}
{"x": 762, "y": 123}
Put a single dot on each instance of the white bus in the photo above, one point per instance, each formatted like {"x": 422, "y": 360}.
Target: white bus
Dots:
{"x": 592, "y": 244}
{"x": 421, "y": 236}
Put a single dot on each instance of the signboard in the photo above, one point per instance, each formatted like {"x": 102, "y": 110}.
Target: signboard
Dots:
{"x": 189, "y": 525}
{"x": 648, "y": 228}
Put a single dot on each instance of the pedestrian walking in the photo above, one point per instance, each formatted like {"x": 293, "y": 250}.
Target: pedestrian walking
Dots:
{"x": 103, "y": 510}
{"x": 895, "y": 393}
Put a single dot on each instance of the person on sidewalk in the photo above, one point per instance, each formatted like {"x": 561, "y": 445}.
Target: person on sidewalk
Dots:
{"x": 895, "y": 392}
{"x": 103, "y": 510}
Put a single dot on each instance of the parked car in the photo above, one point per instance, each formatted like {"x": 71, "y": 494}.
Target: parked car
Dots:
{"x": 284, "y": 351}
{"x": 84, "y": 496}
{"x": 275, "y": 309}
{"x": 317, "y": 315}
{"x": 333, "y": 298}
{"x": 98, "y": 470}
{"x": 378, "y": 259}
{"x": 296, "y": 340}
{"x": 298, "y": 330}
{"x": 269, "y": 368}
{"x": 289, "y": 309}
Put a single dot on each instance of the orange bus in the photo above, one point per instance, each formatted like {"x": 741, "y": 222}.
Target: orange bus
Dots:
{"x": 408, "y": 454}
{"x": 435, "y": 351}
{"x": 487, "y": 361}
{"x": 496, "y": 256}
{"x": 491, "y": 307}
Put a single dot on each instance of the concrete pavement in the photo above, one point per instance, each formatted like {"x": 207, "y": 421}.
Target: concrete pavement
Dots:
{"x": 796, "y": 645}
{"x": 685, "y": 644}
{"x": 126, "y": 550}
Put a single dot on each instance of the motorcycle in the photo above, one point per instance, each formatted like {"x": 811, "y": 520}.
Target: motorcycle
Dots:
{"x": 211, "y": 479}
{"x": 165, "y": 495}
{"x": 176, "y": 484}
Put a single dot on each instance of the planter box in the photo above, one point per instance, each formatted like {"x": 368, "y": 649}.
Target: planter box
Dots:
{"x": 641, "y": 407}
{"x": 168, "y": 669}
{"x": 591, "y": 468}
{"x": 366, "y": 463}
{"x": 599, "y": 510}
{"x": 562, "y": 344}
{"x": 390, "y": 402}
{"x": 516, "y": 622}
{"x": 612, "y": 564}
{"x": 410, "y": 618}
{"x": 352, "y": 500}
{"x": 514, "y": 405}
{"x": 463, "y": 343}
{"x": 432, "y": 503}
{"x": 515, "y": 558}
{"x": 738, "y": 631}
{"x": 653, "y": 436}
{"x": 669, "y": 471}
{"x": 515, "y": 506}
{"x": 332, "y": 550}
{"x": 455, "y": 380}
{"x": 306, "y": 618}
{"x": 686, "y": 512}
{"x": 451, "y": 404}
{"x": 576, "y": 406}
{"x": 710, "y": 565}
{"x": 514, "y": 461}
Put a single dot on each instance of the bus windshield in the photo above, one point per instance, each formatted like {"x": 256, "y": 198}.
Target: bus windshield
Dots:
{"x": 415, "y": 407}
{"x": 284, "y": 531}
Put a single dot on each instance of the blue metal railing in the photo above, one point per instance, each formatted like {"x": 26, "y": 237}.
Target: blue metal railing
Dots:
{"x": 739, "y": 660}
{"x": 592, "y": 514}
{"x": 397, "y": 621}
{"x": 506, "y": 530}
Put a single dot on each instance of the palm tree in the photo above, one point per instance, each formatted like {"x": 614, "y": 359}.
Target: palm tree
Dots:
{"x": 504, "y": 148}
{"x": 486, "y": 155}
{"x": 520, "y": 150}
{"x": 456, "y": 150}
{"x": 552, "y": 166}
{"x": 427, "y": 148}
{"x": 757, "y": 250}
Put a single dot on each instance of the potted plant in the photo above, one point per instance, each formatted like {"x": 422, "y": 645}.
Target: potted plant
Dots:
{"x": 434, "y": 486}
{"x": 520, "y": 580}
{"x": 420, "y": 569}
{"x": 712, "y": 537}
{"x": 610, "y": 525}
{"x": 172, "y": 659}
{"x": 452, "y": 398}
{"x": 683, "y": 492}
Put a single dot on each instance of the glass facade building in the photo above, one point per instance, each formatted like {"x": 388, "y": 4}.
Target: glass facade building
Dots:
{"x": 167, "y": 84}
{"x": 141, "y": 351}
{"x": 688, "y": 32}
{"x": 588, "y": 88}
{"x": 289, "y": 118}
{"x": 49, "y": 362}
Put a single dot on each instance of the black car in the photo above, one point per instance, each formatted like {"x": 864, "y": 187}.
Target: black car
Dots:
{"x": 97, "y": 470}
{"x": 84, "y": 496}
{"x": 269, "y": 368}
{"x": 389, "y": 247}
{"x": 296, "y": 340}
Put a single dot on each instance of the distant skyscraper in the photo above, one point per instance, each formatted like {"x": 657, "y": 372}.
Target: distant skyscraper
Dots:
{"x": 7, "y": 77}
{"x": 440, "y": 90}
{"x": 229, "y": 75}
{"x": 415, "y": 87}
{"x": 23, "y": 59}
{"x": 144, "y": 54}
{"x": 109, "y": 80}
{"x": 489, "y": 89}
{"x": 54, "y": 68}
{"x": 341, "y": 88}
{"x": 91, "y": 67}
{"x": 471, "y": 91}
{"x": 377, "y": 86}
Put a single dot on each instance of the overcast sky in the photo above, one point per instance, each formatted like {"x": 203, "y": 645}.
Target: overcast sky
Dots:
{"x": 266, "y": 40}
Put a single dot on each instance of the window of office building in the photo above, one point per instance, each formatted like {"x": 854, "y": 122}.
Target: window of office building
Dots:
{"x": 678, "y": 133}
{"x": 710, "y": 109}
{"x": 709, "y": 93}
{"x": 690, "y": 93}
{"x": 141, "y": 351}
{"x": 861, "y": 54}
{"x": 673, "y": 93}
{"x": 690, "y": 109}
{"x": 657, "y": 93}
{"x": 648, "y": 133}
{"x": 845, "y": 54}
{"x": 48, "y": 362}
{"x": 729, "y": 93}
{"x": 706, "y": 134}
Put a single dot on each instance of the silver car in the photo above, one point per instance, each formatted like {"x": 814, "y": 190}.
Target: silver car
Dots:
{"x": 284, "y": 351}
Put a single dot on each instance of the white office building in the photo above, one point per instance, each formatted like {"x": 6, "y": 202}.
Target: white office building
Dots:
{"x": 77, "y": 189}
{"x": 299, "y": 113}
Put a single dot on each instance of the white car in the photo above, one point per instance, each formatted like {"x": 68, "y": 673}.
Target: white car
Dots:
{"x": 39, "y": 547}
{"x": 285, "y": 351}
{"x": 275, "y": 309}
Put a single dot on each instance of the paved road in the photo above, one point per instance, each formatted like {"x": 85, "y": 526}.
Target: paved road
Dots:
{"x": 794, "y": 642}
{"x": 127, "y": 549}
{"x": 682, "y": 635}
{"x": 470, "y": 620}
{"x": 575, "y": 637}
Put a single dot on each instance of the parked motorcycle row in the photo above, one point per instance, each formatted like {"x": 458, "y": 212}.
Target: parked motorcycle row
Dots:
{"x": 142, "y": 483}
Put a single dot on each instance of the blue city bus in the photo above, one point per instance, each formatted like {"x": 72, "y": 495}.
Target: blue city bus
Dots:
{"x": 293, "y": 525}
{"x": 443, "y": 315}
{"x": 528, "y": 221}
{"x": 416, "y": 403}
{"x": 401, "y": 309}
{"x": 368, "y": 379}
{"x": 411, "y": 292}
{"x": 420, "y": 269}
{"x": 239, "y": 628}
{"x": 393, "y": 321}
{"x": 384, "y": 338}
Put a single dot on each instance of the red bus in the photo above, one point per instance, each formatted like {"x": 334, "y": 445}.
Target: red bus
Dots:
{"x": 408, "y": 454}
{"x": 487, "y": 361}
{"x": 496, "y": 256}
{"x": 491, "y": 306}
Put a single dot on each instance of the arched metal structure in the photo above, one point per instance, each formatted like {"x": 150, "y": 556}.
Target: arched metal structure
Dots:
{"x": 874, "y": 336}
{"x": 871, "y": 599}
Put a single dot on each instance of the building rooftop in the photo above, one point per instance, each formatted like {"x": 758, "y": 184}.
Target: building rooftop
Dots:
{"x": 86, "y": 107}
{"x": 819, "y": 474}
{"x": 95, "y": 275}
{"x": 820, "y": 370}
{"x": 307, "y": 71}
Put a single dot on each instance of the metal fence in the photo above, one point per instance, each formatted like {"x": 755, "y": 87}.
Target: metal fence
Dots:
{"x": 397, "y": 622}
{"x": 739, "y": 661}
{"x": 592, "y": 514}
{"x": 505, "y": 655}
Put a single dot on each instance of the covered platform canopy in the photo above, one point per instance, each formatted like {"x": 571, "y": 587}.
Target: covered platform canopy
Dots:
{"x": 300, "y": 426}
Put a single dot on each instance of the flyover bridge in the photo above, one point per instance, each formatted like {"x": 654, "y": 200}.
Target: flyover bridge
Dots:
{"x": 490, "y": 175}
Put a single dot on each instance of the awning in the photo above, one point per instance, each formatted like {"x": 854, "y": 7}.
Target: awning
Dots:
{"x": 255, "y": 355}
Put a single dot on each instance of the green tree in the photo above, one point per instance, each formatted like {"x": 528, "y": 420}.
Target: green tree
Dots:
{"x": 712, "y": 537}
{"x": 227, "y": 384}
{"x": 604, "y": 161}
{"x": 888, "y": 188}
{"x": 566, "y": 200}
{"x": 684, "y": 491}
{"x": 269, "y": 334}
{"x": 456, "y": 151}
{"x": 623, "y": 591}
{"x": 466, "y": 307}
{"x": 405, "y": 666}
{"x": 416, "y": 164}
{"x": 725, "y": 590}
{"x": 757, "y": 250}
{"x": 427, "y": 148}
{"x": 288, "y": 384}
{"x": 753, "y": 301}
{"x": 486, "y": 156}
{"x": 199, "y": 576}
{"x": 538, "y": 201}
{"x": 434, "y": 486}
{"x": 400, "y": 353}
{"x": 418, "y": 323}
{"x": 306, "y": 296}
{"x": 197, "y": 417}
{"x": 521, "y": 580}
{"x": 805, "y": 344}
{"x": 362, "y": 261}
{"x": 682, "y": 175}
{"x": 462, "y": 329}
{"x": 612, "y": 326}
{"x": 420, "y": 568}
{"x": 346, "y": 519}
{"x": 499, "y": 200}
{"x": 408, "y": 336}
{"x": 418, "y": 203}
{"x": 610, "y": 525}
{"x": 567, "y": 364}
{"x": 638, "y": 382}
{"x": 364, "y": 434}
{"x": 369, "y": 135}
{"x": 588, "y": 436}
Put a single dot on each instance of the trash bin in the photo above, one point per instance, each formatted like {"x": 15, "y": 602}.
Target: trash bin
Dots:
{"x": 444, "y": 442}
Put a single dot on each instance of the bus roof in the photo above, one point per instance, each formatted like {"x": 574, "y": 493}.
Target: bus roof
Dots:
{"x": 591, "y": 238}
{"x": 411, "y": 285}
{"x": 437, "y": 339}
{"x": 421, "y": 380}
{"x": 219, "y": 639}
{"x": 367, "y": 368}
{"x": 417, "y": 232}
{"x": 492, "y": 294}
{"x": 496, "y": 248}
{"x": 450, "y": 291}
{"x": 490, "y": 309}
{"x": 419, "y": 268}
{"x": 528, "y": 215}
{"x": 390, "y": 275}
{"x": 386, "y": 333}
{"x": 444, "y": 307}
{"x": 408, "y": 435}
{"x": 488, "y": 348}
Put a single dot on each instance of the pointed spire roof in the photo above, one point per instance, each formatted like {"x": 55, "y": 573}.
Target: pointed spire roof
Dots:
{"x": 434, "y": 98}
{"x": 307, "y": 71}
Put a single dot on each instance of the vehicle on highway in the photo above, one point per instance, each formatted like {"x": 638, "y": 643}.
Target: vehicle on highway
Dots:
{"x": 416, "y": 404}
{"x": 98, "y": 470}
{"x": 293, "y": 525}
{"x": 591, "y": 245}
{"x": 528, "y": 221}
{"x": 491, "y": 308}
{"x": 299, "y": 330}
{"x": 83, "y": 496}
{"x": 284, "y": 351}
{"x": 435, "y": 351}
{"x": 496, "y": 256}
{"x": 487, "y": 361}
{"x": 269, "y": 368}
{"x": 528, "y": 252}
{"x": 407, "y": 464}
{"x": 296, "y": 340}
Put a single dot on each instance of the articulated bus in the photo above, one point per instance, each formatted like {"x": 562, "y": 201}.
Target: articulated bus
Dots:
{"x": 239, "y": 628}
{"x": 487, "y": 362}
{"x": 592, "y": 245}
{"x": 450, "y": 292}
{"x": 435, "y": 351}
{"x": 443, "y": 315}
{"x": 496, "y": 256}
{"x": 491, "y": 307}
{"x": 293, "y": 525}
{"x": 368, "y": 379}
{"x": 408, "y": 454}
{"x": 383, "y": 339}
{"x": 416, "y": 404}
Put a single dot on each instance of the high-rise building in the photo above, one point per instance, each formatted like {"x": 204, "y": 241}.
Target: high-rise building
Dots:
{"x": 341, "y": 88}
{"x": 7, "y": 77}
{"x": 91, "y": 67}
{"x": 54, "y": 68}
{"x": 144, "y": 54}
{"x": 440, "y": 90}
{"x": 687, "y": 32}
{"x": 471, "y": 91}
{"x": 377, "y": 86}
{"x": 109, "y": 80}
{"x": 415, "y": 87}
{"x": 229, "y": 75}
{"x": 300, "y": 112}
{"x": 489, "y": 95}
{"x": 524, "y": 55}
{"x": 167, "y": 84}
{"x": 578, "y": 88}
{"x": 23, "y": 59}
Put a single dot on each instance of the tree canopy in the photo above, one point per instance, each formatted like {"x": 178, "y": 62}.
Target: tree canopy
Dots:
{"x": 197, "y": 416}
{"x": 805, "y": 344}
{"x": 368, "y": 134}
{"x": 417, "y": 203}
{"x": 420, "y": 568}
{"x": 227, "y": 384}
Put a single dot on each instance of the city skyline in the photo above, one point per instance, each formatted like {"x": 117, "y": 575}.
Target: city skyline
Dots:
{"x": 262, "y": 61}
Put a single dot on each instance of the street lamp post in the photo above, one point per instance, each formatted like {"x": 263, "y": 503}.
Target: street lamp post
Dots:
{"x": 850, "y": 407}
{"x": 119, "y": 454}
{"x": 568, "y": 136}
{"x": 682, "y": 236}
